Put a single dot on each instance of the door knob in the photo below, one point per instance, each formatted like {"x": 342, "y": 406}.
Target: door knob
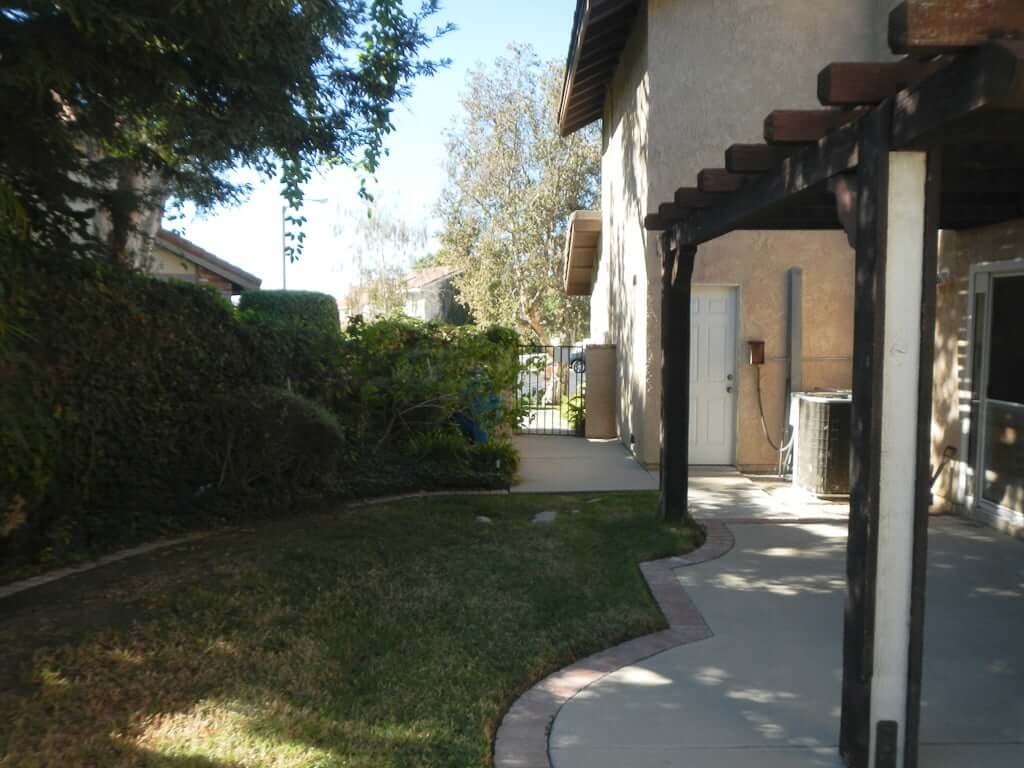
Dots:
{"x": 729, "y": 390}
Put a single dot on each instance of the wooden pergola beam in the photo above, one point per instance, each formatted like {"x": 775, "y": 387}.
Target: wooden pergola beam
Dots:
{"x": 863, "y": 83}
{"x": 976, "y": 99}
{"x": 924, "y": 28}
{"x": 788, "y": 126}
{"x": 756, "y": 158}
{"x": 692, "y": 197}
{"x": 764, "y": 195}
{"x": 720, "y": 180}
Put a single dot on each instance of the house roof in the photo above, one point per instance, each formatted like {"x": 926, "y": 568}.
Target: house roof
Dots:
{"x": 421, "y": 278}
{"x": 581, "y": 246}
{"x": 192, "y": 252}
{"x": 600, "y": 29}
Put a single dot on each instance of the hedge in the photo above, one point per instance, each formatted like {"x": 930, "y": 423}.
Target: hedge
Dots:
{"x": 132, "y": 407}
{"x": 106, "y": 374}
{"x": 303, "y": 309}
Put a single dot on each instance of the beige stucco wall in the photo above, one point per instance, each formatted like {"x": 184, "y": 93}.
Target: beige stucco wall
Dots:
{"x": 163, "y": 262}
{"x": 621, "y": 274}
{"x": 716, "y": 68}
{"x": 756, "y": 263}
{"x": 951, "y": 386}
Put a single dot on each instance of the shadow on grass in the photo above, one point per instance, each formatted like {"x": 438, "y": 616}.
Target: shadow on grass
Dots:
{"x": 389, "y": 636}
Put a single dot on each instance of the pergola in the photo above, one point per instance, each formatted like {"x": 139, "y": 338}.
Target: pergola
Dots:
{"x": 900, "y": 150}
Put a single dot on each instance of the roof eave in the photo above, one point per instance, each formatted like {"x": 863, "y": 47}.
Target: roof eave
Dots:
{"x": 599, "y": 34}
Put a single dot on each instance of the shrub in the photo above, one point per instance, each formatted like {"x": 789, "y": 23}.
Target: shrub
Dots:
{"x": 268, "y": 438}
{"x": 124, "y": 398}
{"x": 410, "y": 377}
{"x": 302, "y": 309}
{"x": 104, "y": 379}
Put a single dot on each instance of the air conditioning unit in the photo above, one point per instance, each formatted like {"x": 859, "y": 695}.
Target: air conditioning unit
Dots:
{"x": 821, "y": 450}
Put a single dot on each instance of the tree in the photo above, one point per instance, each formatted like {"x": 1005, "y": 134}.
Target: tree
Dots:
{"x": 386, "y": 245}
{"x": 112, "y": 106}
{"x": 512, "y": 183}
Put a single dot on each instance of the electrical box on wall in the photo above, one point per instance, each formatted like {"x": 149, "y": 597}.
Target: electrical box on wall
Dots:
{"x": 756, "y": 352}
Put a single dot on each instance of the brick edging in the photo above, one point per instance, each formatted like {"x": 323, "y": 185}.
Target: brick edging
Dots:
{"x": 522, "y": 737}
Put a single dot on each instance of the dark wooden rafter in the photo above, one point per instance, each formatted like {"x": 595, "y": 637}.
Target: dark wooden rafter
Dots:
{"x": 720, "y": 180}
{"x": 788, "y": 126}
{"x": 757, "y": 158}
{"x": 978, "y": 98}
{"x": 853, "y": 84}
{"x": 763, "y": 195}
{"x": 924, "y": 28}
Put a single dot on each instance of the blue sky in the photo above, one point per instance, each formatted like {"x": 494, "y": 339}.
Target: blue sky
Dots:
{"x": 410, "y": 178}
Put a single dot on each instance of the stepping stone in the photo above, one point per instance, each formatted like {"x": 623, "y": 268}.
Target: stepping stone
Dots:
{"x": 484, "y": 519}
{"x": 548, "y": 516}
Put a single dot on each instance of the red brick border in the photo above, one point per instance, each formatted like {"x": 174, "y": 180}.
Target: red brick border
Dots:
{"x": 522, "y": 738}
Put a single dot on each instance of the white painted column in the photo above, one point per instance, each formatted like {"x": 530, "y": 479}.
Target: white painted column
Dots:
{"x": 900, "y": 357}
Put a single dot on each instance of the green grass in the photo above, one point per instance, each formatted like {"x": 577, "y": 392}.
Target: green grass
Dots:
{"x": 388, "y": 636}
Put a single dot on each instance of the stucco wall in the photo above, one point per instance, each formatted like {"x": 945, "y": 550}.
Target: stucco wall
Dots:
{"x": 756, "y": 263}
{"x": 624, "y": 195}
{"x": 162, "y": 262}
{"x": 716, "y": 68}
{"x": 951, "y": 387}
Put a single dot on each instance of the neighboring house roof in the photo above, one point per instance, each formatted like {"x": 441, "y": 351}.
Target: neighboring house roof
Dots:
{"x": 421, "y": 278}
{"x": 581, "y": 248}
{"x": 186, "y": 249}
{"x": 600, "y": 29}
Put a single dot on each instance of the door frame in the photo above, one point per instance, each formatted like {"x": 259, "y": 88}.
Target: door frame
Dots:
{"x": 980, "y": 280}
{"x": 737, "y": 292}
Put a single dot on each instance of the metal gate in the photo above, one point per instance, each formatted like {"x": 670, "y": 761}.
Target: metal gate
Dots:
{"x": 552, "y": 390}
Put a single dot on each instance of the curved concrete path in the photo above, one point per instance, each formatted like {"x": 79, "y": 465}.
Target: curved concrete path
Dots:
{"x": 764, "y": 690}
{"x": 755, "y": 679}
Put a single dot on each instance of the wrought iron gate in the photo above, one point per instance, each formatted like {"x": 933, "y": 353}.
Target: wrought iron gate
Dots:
{"x": 552, "y": 390}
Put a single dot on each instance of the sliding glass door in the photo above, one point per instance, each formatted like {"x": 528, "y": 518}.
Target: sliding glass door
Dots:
{"x": 996, "y": 439}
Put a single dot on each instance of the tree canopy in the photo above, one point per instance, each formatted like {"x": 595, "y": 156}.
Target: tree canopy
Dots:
{"x": 111, "y": 106}
{"x": 512, "y": 183}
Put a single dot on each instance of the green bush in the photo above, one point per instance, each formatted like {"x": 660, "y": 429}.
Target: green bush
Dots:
{"x": 104, "y": 376}
{"x": 125, "y": 401}
{"x": 266, "y": 439}
{"x": 303, "y": 309}
{"x": 410, "y": 378}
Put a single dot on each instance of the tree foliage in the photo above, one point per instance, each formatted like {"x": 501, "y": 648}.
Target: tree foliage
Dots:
{"x": 111, "y": 106}
{"x": 386, "y": 245}
{"x": 512, "y": 183}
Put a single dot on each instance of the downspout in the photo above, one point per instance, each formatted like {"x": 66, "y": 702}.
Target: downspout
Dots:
{"x": 794, "y": 357}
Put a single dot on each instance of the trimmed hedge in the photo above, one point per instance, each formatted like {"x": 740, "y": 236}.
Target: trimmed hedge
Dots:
{"x": 106, "y": 374}
{"x": 131, "y": 407}
{"x": 304, "y": 309}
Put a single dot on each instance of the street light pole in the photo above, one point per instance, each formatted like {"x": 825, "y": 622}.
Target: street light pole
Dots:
{"x": 284, "y": 240}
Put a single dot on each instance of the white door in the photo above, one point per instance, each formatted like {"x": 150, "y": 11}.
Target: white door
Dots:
{"x": 712, "y": 375}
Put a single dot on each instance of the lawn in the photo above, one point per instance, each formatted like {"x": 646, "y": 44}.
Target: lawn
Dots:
{"x": 385, "y": 636}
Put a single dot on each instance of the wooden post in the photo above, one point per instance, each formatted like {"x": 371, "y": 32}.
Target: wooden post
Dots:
{"x": 676, "y": 275}
{"x": 923, "y": 448}
{"x": 893, "y": 337}
{"x": 869, "y": 275}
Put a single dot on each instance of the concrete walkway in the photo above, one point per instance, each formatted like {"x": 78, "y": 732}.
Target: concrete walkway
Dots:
{"x": 764, "y": 690}
{"x": 555, "y": 464}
